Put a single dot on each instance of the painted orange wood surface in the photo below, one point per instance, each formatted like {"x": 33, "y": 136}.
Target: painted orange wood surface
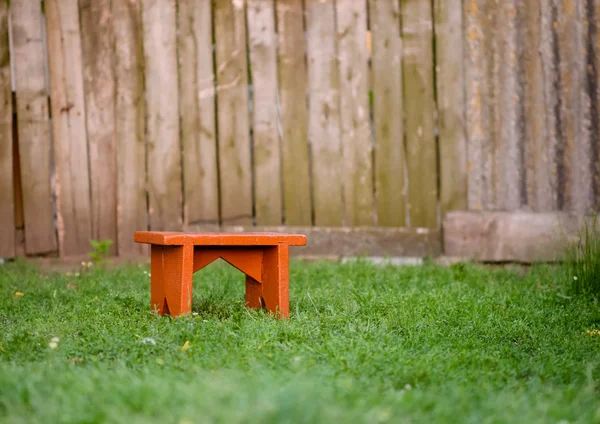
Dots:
{"x": 218, "y": 239}
{"x": 262, "y": 257}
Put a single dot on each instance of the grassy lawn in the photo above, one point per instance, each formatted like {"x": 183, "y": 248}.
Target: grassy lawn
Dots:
{"x": 363, "y": 344}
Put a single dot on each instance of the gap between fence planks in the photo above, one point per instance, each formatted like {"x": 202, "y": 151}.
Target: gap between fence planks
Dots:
{"x": 267, "y": 153}
{"x": 68, "y": 124}
{"x": 419, "y": 94}
{"x": 99, "y": 86}
{"x": 324, "y": 113}
{"x": 232, "y": 117}
{"x": 294, "y": 113}
{"x": 33, "y": 125}
{"x": 129, "y": 126}
{"x": 7, "y": 201}
{"x": 197, "y": 99}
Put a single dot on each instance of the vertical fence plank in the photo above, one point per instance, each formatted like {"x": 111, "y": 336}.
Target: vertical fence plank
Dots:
{"x": 390, "y": 156}
{"x": 357, "y": 169}
{"x": 99, "y": 85}
{"x": 129, "y": 125}
{"x": 419, "y": 98}
{"x": 587, "y": 141}
{"x": 294, "y": 113}
{"x": 323, "y": 113}
{"x": 232, "y": 113}
{"x": 7, "y": 201}
{"x": 162, "y": 115}
{"x": 33, "y": 125}
{"x": 540, "y": 103}
{"x": 197, "y": 100}
{"x": 510, "y": 193}
{"x": 451, "y": 104}
{"x": 267, "y": 152}
{"x": 568, "y": 99}
{"x": 478, "y": 115}
{"x": 68, "y": 124}
{"x": 593, "y": 12}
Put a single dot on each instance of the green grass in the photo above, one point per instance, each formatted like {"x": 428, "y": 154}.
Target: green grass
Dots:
{"x": 363, "y": 344}
{"x": 583, "y": 261}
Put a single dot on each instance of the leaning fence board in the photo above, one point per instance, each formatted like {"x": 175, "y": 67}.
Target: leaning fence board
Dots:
{"x": 129, "y": 125}
{"x": 68, "y": 125}
{"x": 197, "y": 100}
{"x": 294, "y": 113}
{"x": 390, "y": 156}
{"x": 232, "y": 112}
{"x": 99, "y": 85}
{"x": 419, "y": 94}
{"x": 33, "y": 125}
{"x": 267, "y": 153}
{"x": 357, "y": 176}
{"x": 539, "y": 104}
{"x": 162, "y": 115}
{"x": 510, "y": 236}
{"x": 7, "y": 201}
{"x": 451, "y": 104}
{"x": 324, "y": 113}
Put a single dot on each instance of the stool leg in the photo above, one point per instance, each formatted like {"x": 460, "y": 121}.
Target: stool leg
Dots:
{"x": 276, "y": 278}
{"x": 171, "y": 281}
{"x": 254, "y": 293}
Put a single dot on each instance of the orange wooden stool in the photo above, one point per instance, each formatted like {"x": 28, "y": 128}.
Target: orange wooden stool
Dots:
{"x": 263, "y": 257}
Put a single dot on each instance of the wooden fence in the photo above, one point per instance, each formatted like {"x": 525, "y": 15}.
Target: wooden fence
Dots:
{"x": 376, "y": 115}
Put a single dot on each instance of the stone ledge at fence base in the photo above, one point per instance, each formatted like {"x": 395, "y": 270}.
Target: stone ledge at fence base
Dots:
{"x": 510, "y": 236}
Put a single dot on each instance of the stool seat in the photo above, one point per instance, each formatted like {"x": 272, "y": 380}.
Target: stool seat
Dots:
{"x": 166, "y": 238}
{"x": 263, "y": 257}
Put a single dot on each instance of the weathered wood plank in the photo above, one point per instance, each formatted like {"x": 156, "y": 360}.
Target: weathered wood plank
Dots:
{"x": 33, "y": 125}
{"x": 267, "y": 152}
{"x": 99, "y": 84}
{"x": 294, "y": 113}
{"x": 593, "y": 17}
{"x": 481, "y": 75}
{"x": 510, "y": 184}
{"x": 572, "y": 190}
{"x": 357, "y": 171}
{"x": 475, "y": 105}
{"x": 493, "y": 60}
{"x": 419, "y": 93}
{"x": 129, "y": 126}
{"x": 451, "y": 104}
{"x": 197, "y": 100}
{"x": 356, "y": 241}
{"x": 165, "y": 189}
{"x": 390, "y": 155}
{"x": 588, "y": 118}
{"x": 232, "y": 112}
{"x": 7, "y": 201}
{"x": 509, "y": 236}
{"x": 324, "y": 113}
{"x": 539, "y": 103}
{"x": 68, "y": 125}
